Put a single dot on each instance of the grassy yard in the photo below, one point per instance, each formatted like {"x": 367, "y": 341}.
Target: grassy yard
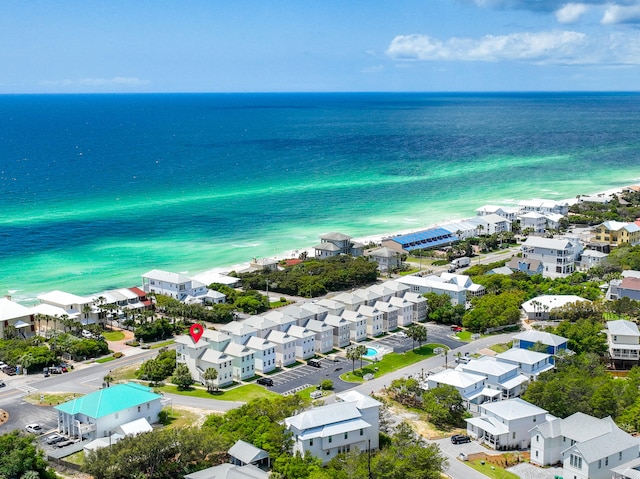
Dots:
{"x": 50, "y": 399}
{"x": 178, "y": 418}
{"x": 125, "y": 373}
{"x": 163, "y": 344}
{"x": 76, "y": 458}
{"x": 242, "y": 393}
{"x": 113, "y": 335}
{"x": 391, "y": 362}
{"x": 494, "y": 472}
{"x": 500, "y": 348}
{"x": 464, "y": 336}
{"x": 105, "y": 359}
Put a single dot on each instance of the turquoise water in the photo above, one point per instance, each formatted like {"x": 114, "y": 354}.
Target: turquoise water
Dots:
{"x": 97, "y": 190}
{"x": 371, "y": 352}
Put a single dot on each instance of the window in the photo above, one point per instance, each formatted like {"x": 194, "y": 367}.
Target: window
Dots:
{"x": 346, "y": 435}
{"x": 330, "y": 439}
{"x": 537, "y": 438}
{"x": 514, "y": 434}
{"x": 536, "y": 453}
{"x": 606, "y": 461}
{"x": 599, "y": 463}
{"x": 139, "y": 408}
{"x": 362, "y": 432}
{"x": 311, "y": 442}
{"x": 620, "y": 456}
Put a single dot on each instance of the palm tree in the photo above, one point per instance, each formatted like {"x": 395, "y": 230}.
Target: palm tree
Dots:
{"x": 210, "y": 375}
{"x": 353, "y": 354}
{"x": 361, "y": 350}
{"x": 108, "y": 379}
{"x": 417, "y": 333}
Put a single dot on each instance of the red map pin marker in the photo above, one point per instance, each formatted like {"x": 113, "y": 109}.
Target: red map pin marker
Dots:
{"x": 196, "y": 331}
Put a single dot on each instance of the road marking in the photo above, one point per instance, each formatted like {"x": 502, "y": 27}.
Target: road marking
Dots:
{"x": 26, "y": 389}
{"x": 89, "y": 380}
{"x": 295, "y": 390}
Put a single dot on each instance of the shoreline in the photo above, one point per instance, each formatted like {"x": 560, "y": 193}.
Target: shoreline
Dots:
{"x": 377, "y": 238}
{"x": 294, "y": 253}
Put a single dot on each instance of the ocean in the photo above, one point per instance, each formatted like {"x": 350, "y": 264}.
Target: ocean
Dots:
{"x": 98, "y": 189}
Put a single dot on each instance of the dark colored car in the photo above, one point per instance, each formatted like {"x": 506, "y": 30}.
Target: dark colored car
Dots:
{"x": 314, "y": 362}
{"x": 460, "y": 439}
{"x": 265, "y": 381}
{"x": 65, "y": 443}
{"x": 45, "y": 371}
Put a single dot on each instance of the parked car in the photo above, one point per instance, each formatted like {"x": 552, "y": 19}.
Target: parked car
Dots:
{"x": 401, "y": 334}
{"x": 45, "y": 371}
{"x": 55, "y": 370}
{"x": 65, "y": 443}
{"x": 2, "y": 383}
{"x": 87, "y": 334}
{"x": 315, "y": 363}
{"x": 460, "y": 439}
{"x": 316, "y": 394}
{"x": 34, "y": 428}
{"x": 265, "y": 381}
{"x": 456, "y": 328}
{"x": 55, "y": 439}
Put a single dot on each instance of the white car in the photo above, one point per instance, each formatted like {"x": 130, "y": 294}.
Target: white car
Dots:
{"x": 401, "y": 334}
{"x": 34, "y": 428}
{"x": 86, "y": 334}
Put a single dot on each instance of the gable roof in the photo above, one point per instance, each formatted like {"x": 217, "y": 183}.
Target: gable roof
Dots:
{"x": 324, "y": 415}
{"x": 523, "y": 356}
{"x": 533, "y": 336}
{"x": 10, "y": 310}
{"x": 166, "y": 276}
{"x": 247, "y": 452}
{"x": 623, "y": 327}
{"x": 511, "y": 409}
{"x": 109, "y": 400}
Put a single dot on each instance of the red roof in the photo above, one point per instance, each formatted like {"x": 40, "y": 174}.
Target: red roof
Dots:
{"x": 292, "y": 262}
{"x": 631, "y": 283}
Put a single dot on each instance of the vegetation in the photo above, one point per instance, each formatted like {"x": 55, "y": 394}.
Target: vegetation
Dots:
{"x": 591, "y": 213}
{"x": 356, "y": 352}
{"x": 493, "y": 311}
{"x": 315, "y": 277}
{"x": 442, "y": 311}
{"x": 160, "y": 368}
{"x": 182, "y": 377}
{"x": 417, "y": 332}
{"x": 21, "y": 458}
{"x": 31, "y": 353}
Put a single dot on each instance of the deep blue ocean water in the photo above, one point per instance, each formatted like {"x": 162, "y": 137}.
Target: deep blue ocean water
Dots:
{"x": 98, "y": 189}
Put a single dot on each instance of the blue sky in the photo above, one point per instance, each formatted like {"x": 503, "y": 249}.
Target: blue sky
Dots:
{"x": 67, "y": 46}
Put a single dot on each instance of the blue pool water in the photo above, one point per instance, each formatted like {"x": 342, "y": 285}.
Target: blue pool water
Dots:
{"x": 371, "y": 352}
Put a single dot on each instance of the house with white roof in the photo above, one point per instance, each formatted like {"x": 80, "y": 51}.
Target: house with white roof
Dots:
{"x": 285, "y": 348}
{"x": 420, "y": 306}
{"x": 538, "y": 308}
{"x": 369, "y": 296}
{"x": 239, "y": 331}
{"x": 462, "y": 230}
{"x": 174, "y": 285}
{"x": 498, "y": 375}
{"x": 506, "y": 424}
{"x": 405, "y": 310}
{"x": 351, "y": 301}
{"x": 530, "y": 363}
{"x": 229, "y": 471}
{"x": 17, "y": 316}
{"x": 282, "y": 320}
{"x": 623, "y": 339}
{"x": 528, "y": 339}
{"x": 323, "y": 341}
{"x": 616, "y": 233}
{"x": 332, "y": 306}
{"x": 398, "y": 288}
{"x": 544, "y": 206}
{"x": 242, "y": 360}
{"x": 305, "y": 341}
{"x": 433, "y": 284}
{"x": 587, "y": 447}
{"x": 591, "y": 258}
{"x": 216, "y": 339}
{"x": 357, "y": 325}
{"x": 558, "y": 256}
{"x": 628, "y": 470}
{"x": 340, "y": 330}
{"x": 374, "y": 318}
{"x": 525, "y": 265}
{"x": 318, "y": 311}
{"x": 262, "y": 325}
{"x": 472, "y": 387}
{"x": 325, "y": 431}
{"x": 384, "y": 292}
{"x": 200, "y": 356}
{"x": 389, "y": 315}
{"x": 491, "y": 224}
{"x": 264, "y": 353}
{"x": 300, "y": 314}
{"x": 507, "y": 212}
{"x": 75, "y": 307}
{"x": 100, "y": 413}
{"x": 534, "y": 221}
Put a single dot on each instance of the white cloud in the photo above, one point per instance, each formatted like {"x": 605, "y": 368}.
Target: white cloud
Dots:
{"x": 549, "y": 47}
{"x": 621, "y": 14}
{"x": 571, "y": 12}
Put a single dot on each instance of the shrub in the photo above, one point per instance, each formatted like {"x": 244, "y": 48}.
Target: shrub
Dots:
{"x": 117, "y": 355}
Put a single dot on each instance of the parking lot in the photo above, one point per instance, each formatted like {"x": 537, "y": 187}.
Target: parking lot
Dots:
{"x": 22, "y": 413}
{"x": 292, "y": 380}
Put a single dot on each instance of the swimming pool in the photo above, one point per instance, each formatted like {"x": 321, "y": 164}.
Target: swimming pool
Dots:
{"x": 371, "y": 352}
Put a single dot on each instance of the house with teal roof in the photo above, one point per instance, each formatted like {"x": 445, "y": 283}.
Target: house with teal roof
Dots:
{"x": 100, "y": 413}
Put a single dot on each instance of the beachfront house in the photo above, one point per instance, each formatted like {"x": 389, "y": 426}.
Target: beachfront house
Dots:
{"x": 333, "y": 244}
{"x": 491, "y": 224}
{"x": 544, "y": 206}
{"x": 587, "y": 447}
{"x": 229, "y": 471}
{"x": 16, "y": 317}
{"x": 507, "y": 212}
{"x": 628, "y": 287}
{"x": 623, "y": 339}
{"x": 462, "y": 230}
{"x": 540, "y": 307}
{"x": 100, "y": 413}
{"x": 174, "y": 285}
{"x": 558, "y": 256}
{"x": 426, "y": 239}
{"x": 79, "y": 308}
{"x": 506, "y": 424}
{"x": 530, "y": 338}
{"x": 325, "y": 431}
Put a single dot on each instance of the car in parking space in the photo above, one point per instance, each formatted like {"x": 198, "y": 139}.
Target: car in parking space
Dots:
{"x": 55, "y": 439}
{"x": 34, "y": 428}
{"x": 65, "y": 443}
{"x": 2, "y": 383}
{"x": 456, "y": 328}
{"x": 315, "y": 394}
{"x": 315, "y": 363}
{"x": 401, "y": 334}
{"x": 460, "y": 439}
{"x": 265, "y": 381}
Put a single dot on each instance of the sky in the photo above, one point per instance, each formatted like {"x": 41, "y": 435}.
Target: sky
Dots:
{"x": 125, "y": 46}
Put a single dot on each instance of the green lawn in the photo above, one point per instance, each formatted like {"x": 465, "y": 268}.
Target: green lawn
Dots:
{"x": 50, "y": 399}
{"x": 500, "y": 348}
{"x": 113, "y": 335}
{"x": 494, "y": 472}
{"x": 105, "y": 359}
{"x": 464, "y": 336}
{"x": 242, "y": 393}
{"x": 163, "y": 344}
{"x": 391, "y": 362}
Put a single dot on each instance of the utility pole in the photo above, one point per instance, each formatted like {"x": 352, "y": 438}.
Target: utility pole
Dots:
{"x": 369, "y": 461}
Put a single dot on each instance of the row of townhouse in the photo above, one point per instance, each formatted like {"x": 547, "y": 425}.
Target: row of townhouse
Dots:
{"x": 58, "y": 305}
{"x": 458, "y": 287}
{"x": 586, "y": 447}
{"x": 491, "y": 379}
{"x": 259, "y": 344}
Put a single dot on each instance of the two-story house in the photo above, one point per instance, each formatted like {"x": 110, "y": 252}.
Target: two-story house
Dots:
{"x": 557, "y": 255}
{"x": 498, "y": 375}
{"x": 616, "y": 233}
{"x": 530, "y": 363}
{"x": 506, "y": 424}
{"x": 623, "y": 338}
{"x": 17, "y": 316}
{"x": 471, "y": 386}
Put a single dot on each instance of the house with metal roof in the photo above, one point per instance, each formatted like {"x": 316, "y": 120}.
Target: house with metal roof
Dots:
{"x": 262, "y": 325}
{"x": 17, "y": 316}
{"x": 340, "y": 330}
{"x": 529, "y": 338}
{"x": 499, "y": 375}
{"x": 325, "y": 431}
{"x": 333, "y": 244}
{"x": 174, "y": 285}
{"x": 530, "y": 363}
{"x": 472, "y": 387}
{"x": 628, "y": 470}
{"x": 433, "y": 284}
{"x": 229, "y": 471}
{"x": 99, "y": 414}
{"x": 557, "y": 255}
{"x": 587, "y": 447}
{"x": 491, "y": 224}
{"x": 387, "y": 258}
{"x": 200, "y": 356}
{"x": 508, "y": 212}
{"x": 538, "y": 308}
{"x": 506, "y": 424}
{"x": 616, "y": 233}
{"x": 426, "y": 239}
{"x": 242, "y": 453}
{"x": 623, "y": 339}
